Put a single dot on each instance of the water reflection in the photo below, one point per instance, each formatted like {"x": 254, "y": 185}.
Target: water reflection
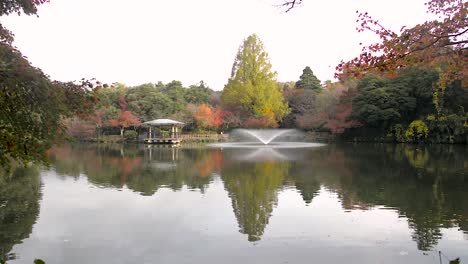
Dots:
{"x": 425, "y": 185}
{"x": 19, "y": 208}
{"x": 253, "y": 188}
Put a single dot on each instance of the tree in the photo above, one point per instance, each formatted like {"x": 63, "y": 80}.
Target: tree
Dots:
{"x": 148, "y": 102}
{"x": 125, "y": 119}
{"x": 208, "y": 117}
{"x": 440, "y": 43}
{"x": 176, "y": 93}
{"x": 109, "y": 96}
{"x": 28, "y": 7}
{"x": 203, "y": 116}
{"x": 375, "y": 105}
{"x": 308, "y": 80}
{"x": 198, "y": 94}
{"x": 252, "y": 88}
{"x": 33, "y": 108}
{"x": 80, "y": 129}
{"x": 333, "y": 110}
{"x": 342, "y": 118}
{"x": 383, "y": 102}
{"x": 301, "y": 102}
{"x": 290, "y": 4}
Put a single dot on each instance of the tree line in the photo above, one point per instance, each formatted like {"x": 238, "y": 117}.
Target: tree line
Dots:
{"x": 401, "y": 106}
{"x": 408, "y": 87}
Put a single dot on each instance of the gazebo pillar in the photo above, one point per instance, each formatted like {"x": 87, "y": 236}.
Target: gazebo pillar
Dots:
{"x": 149, "y": 133}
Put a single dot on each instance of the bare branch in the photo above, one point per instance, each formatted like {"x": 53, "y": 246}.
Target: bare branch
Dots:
{"x": 290, "y": 4}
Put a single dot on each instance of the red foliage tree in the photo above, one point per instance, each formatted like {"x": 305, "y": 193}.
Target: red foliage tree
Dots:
{"x": 337, "y": 120}
{"x": 208, "y": 117}
{"x": 80, "y": 129}
{"x": 124, "y": 120}
{"x": 342, "y": 118}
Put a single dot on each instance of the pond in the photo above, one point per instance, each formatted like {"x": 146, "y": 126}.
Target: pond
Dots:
{"x": 353, "y": 203}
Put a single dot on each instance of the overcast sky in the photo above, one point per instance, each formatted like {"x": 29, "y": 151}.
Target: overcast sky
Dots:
{"x": 142, "y": 41}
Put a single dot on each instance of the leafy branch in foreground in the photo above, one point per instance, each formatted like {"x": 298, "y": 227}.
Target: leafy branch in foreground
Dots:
{"x": 441, "y": 43}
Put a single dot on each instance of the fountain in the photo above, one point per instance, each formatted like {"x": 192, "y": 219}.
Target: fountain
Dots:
{"x": 267, "y": 138}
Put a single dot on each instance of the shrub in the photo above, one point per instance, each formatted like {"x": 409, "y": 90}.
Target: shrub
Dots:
{"x": 417, "y": 131}
{"x": 130, "y": 134}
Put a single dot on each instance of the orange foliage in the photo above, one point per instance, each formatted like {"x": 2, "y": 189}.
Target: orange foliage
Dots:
{"x": 208, "y": 117}
{"x": 213, "y": 162}
{"x": 263, "y": 122}
{"x": 125, "y": 119}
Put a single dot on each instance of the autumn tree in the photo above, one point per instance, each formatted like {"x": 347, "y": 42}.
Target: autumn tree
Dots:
{"x": 308, "y": 80}
{"x": 207, "y": 117}
{"x": 252, "y": 87}
{"x": 125, "y": 119}
{"x": 440, "y": 43}
{"x": 301, "y": 102}
{"x": 80, "y": 129}
{"x": 332, "y": 110}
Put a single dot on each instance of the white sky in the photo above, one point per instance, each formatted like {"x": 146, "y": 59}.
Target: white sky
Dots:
{"x": 142, "y": 41}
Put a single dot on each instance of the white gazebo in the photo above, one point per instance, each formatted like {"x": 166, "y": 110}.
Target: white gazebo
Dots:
{"x": 175, "y": 128}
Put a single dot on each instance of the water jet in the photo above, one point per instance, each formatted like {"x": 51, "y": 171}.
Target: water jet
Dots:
{"x": 267, "y": 138}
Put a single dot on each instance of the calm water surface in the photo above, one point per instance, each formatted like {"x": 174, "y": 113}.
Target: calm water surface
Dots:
{"x": 333, "y": 204}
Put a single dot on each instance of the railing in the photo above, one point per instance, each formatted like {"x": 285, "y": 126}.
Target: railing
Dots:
{"x": 202, "y": 136}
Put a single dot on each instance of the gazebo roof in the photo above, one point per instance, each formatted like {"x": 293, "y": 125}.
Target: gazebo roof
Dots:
{"x": 163, "y": 122}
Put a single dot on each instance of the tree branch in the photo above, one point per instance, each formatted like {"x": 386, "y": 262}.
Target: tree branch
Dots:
{"x": 290, "y": 4}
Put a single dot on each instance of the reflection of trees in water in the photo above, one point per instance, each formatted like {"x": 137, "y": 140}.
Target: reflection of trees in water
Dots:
{"x": 253, "y": 188}
{"x": 19, "y": 208}
{"x": 305, "y": 181}
{"x": 142, "y": 169}
{"x": 428, "y": 186}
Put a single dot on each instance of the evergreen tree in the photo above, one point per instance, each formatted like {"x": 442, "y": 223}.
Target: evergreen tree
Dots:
{"x": 308, "y": 80}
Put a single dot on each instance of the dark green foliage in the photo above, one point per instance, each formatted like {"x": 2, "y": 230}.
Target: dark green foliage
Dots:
{"x": 381, "y": 102}
{"x": 198, "y": 94}
{"x": 308, "y": 80}
{"x": 148, "y": 102}
{"x": 176, "y": 93}
{"x": 32, "y": 108}
{"x": 28, "y": 7}
{"x": 19, "y": 197}
{"x": 389, "y": 106}
{"x": 375, "y": 105}
{"x": 452, "y": 128}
